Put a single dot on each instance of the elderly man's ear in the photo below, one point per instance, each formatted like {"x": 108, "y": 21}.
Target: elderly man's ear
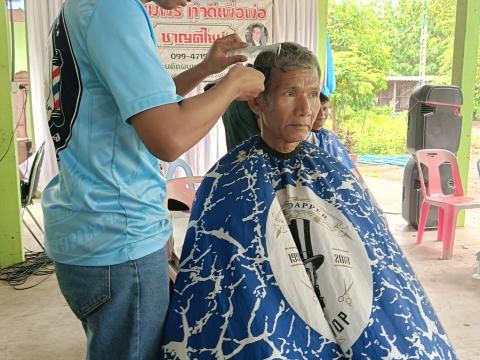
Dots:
{"x": 256, "y": 104}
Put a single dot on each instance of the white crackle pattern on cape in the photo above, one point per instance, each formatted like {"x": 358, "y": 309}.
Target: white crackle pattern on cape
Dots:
{"x": 227, "y": 303}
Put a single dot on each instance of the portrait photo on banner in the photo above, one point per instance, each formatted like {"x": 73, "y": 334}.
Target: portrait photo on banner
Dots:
{"x": 185, "y": 34}
{"x": 256, "y": 34}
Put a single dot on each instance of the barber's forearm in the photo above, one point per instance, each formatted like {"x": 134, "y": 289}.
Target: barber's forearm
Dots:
{"x": 200, "y": 114}
{"x": 187, "y": 80}
{"x": 169, "y": 131}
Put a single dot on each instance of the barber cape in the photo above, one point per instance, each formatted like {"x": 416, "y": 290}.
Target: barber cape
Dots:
{"x": 286, "y": 257}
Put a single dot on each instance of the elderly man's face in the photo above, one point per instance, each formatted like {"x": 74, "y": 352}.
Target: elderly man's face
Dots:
{"x": 289, "y": 109}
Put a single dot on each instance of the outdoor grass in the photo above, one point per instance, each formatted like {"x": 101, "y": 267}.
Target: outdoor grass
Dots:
{"x": 373, "y": 133}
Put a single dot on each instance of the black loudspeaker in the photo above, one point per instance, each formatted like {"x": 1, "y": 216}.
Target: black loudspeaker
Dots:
{"x": 434, "y": 120}
{"x": 412, "y": 196}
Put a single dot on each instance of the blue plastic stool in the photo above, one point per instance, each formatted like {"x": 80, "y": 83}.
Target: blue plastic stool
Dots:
{"x": 179, "y": 163}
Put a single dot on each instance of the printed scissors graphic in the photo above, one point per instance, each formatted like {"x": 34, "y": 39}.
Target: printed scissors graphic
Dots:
{"x": 345, "y": 297}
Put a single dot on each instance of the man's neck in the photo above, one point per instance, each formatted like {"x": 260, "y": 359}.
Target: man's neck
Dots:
{"x": 280, "y": 153}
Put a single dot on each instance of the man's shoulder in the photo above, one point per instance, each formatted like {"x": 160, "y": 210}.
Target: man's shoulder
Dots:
{"x": 114, "y": 5}
{"x": 327, "y": 134}
{"x": 83, "y": 10}
{"x": 78, "y": 15}
{"x": 235, "y": 157}
{"x": 329, "y": 138}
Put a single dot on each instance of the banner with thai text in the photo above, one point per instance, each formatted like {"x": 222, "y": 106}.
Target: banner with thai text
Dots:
{"x": 185, "y": 34}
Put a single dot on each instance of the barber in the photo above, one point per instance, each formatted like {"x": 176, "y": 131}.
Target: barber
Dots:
{"x": 113, "y": 110}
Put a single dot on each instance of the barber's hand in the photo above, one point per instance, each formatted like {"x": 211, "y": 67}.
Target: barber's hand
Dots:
{"x": 217, "y": 58}
{"x": 248, "y": 81}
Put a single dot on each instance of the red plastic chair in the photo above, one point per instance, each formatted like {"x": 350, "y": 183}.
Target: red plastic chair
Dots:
{"x": 448, "y": 205}
{"x": 182, "y": 190}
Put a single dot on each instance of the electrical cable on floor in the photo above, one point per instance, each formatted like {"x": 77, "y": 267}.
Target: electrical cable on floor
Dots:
{"x": 35, "y": 264}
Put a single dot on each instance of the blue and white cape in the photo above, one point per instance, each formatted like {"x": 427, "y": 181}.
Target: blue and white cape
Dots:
{"x": 287, "y": 258}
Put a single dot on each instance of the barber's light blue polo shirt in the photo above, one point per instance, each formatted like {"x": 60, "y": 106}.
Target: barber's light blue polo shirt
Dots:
{"x": 105, "y": 206}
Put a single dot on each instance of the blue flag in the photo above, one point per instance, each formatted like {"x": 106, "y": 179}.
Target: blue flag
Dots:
{"x": 286, "y": 257}
{"x": 330, "y": 83}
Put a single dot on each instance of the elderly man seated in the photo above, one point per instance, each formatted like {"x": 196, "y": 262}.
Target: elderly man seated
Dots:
{"x": 286, "y": 256}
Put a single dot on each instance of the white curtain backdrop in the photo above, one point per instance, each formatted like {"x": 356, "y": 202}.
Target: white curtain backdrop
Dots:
{"x": 294, "y": 20}
{"x": 40, "y": 17}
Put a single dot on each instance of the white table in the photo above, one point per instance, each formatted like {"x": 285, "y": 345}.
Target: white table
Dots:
{"x": 180, "y": 224}
{"x": 179, "y": 221}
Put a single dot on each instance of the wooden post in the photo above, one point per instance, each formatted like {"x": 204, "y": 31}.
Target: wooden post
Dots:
{"x": 322, "y": 35}
{"x": 463, "y": 75}
{"x": 11, "y": 249}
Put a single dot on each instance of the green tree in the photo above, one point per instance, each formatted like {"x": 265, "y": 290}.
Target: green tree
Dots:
{"x": 441, "y": 32}
{"x": 441, "y": 15}
{"x": 361, "y": 54}
{"x": 374, "y": 39}
{"x": 403, "y": 22}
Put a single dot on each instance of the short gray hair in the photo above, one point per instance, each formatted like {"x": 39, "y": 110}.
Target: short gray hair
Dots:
{"x": 291, "y": 56}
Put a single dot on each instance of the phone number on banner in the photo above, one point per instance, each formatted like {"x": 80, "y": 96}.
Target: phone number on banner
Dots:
{"x": 185, "y": 56}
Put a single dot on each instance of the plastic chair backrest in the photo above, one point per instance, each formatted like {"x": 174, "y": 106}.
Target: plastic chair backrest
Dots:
{"x": 432, "y": 159}
{"x": 183, "y": 190}
{"x": 179, "y": 163}
{"x": 34, "y": 176}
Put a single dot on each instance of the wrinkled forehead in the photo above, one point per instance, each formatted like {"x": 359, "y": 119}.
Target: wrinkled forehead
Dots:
{"x": 295, "y": 77}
